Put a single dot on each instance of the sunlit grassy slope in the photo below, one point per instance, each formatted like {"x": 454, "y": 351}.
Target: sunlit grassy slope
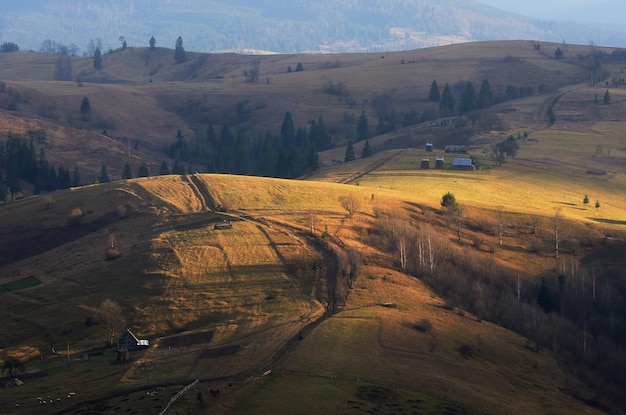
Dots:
{"x": 219, "y": 304}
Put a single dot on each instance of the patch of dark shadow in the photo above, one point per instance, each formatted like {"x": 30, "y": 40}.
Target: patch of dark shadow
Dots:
{"x": 609, "y": 221}
{"x": 187, "y": 340}
{"x": 376, "y": 394}
{"x": 220, "y": 352}
{"x": 564, "y": 203}
{"x": 596, "y": 172}
{"x": 25, "y": 240}
{"x": 21, "y": 284}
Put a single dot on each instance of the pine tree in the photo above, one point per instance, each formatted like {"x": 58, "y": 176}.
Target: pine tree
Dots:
{"x": 288, "y": 130}
{"x": 586, "y": 200}
{"x": 179, "y": 51}
{"x": 446, "y": 106}
{"x": 485, "y": 96}
{"x": 362, "y": 127}
{"x": 127, "y": 173}
{"x": 367, "y": 149}
{"x": 97, "y": 59}
{"x": 607, "y": 97}
{"x": 75, "y": 178}
{"x": 152, "y": 43}
{"x": 85, "y": 106}
{"x": 468, "y": 99}
{"x": 544, "y": 298}
{"x": 164, "y": 170}
{"x": 143, "y": 170}
{"x": 434, "y": 94}
{"x": 349, "y": 152}
{"x": 104, "y": 175}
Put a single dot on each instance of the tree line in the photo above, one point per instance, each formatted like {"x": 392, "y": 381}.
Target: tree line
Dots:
{"x": 19, "y": 162}
{"x": 290, "y": 153}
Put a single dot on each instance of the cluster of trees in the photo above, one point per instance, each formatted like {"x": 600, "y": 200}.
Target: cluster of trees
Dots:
{"x": 291, "y": 153}
{"x": 575, "y": 311}
{"x": 7, "y": 47}
{"x": 52, "y": 47}
{"x": 504, "y": 150}
{"x": 19, "y": 162}
{"x": 469, "y": 101}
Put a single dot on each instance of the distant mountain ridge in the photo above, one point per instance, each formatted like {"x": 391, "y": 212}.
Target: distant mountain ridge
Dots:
{"x": 280, "y": 26}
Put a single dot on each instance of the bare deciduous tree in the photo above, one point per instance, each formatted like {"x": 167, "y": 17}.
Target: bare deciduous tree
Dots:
{"x": 351, "y": 203}
{"x": 500, "y": 224}
{"x": 557, "y": 222}
{"x": 111, "y": 317}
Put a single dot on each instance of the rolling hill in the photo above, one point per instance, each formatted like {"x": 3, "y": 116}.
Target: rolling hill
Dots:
{"x": 278, "y": 298}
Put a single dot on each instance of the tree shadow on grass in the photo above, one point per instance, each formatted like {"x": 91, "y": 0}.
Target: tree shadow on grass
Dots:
{"x": 609, "y": 221}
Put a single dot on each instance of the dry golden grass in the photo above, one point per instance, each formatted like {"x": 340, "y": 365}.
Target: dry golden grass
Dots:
{"x": 369, "y": 344}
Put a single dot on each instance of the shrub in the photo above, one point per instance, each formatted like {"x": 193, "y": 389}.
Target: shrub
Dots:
{"x": 424, "y": 325}
{"x": 74, "y": 217}
{"x": 466, "y": 351}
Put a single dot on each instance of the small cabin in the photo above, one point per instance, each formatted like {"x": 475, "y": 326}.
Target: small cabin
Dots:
{"x": 128, "y": 341}
{"x": 425, "y": 164}
{"x": 463, "y": 164}
{"x": 439, "y": 163}
{"x": 429, "y": 146}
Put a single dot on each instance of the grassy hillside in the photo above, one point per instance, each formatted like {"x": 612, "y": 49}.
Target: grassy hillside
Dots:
{"x": 225, "y": 305}
{"x": 261, "y": 286}
{"x": 140, "y": 99}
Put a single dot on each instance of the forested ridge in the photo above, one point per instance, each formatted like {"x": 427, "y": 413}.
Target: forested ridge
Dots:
{"x": 287, "y": 26}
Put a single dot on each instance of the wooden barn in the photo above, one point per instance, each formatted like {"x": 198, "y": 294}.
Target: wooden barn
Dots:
{"x": 463, "y": 164}
{"x": 425, "y": 164}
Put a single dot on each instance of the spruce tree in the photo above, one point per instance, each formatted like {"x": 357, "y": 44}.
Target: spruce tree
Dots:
{"x": 485, "y": 96}
{"x": 446, "y": 106}
{"x": 85, "y": 106}
{"x": 75, "y": 178}
{"x": 367, "y": 149}
{"x": 104, "y": 175}
{"x": 288, "y": 130}
{"x": 349, "y": 152}
{"x": 152, "y": 43}
{"x": 143, "y": 170}
{"x": 127, "y": 173}
{"x": 179, "y": 51}
{"x": 362, "y": 127}
{"x": 97, "y": 59}
{"x": 164, "y": 170}
{"x": 434, "y": 94}
{"x": 468, "y": 99}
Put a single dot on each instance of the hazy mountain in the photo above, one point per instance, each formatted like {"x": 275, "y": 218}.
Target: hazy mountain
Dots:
{"x": 601, "y": 11}
{"x": 285, "y": 26}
